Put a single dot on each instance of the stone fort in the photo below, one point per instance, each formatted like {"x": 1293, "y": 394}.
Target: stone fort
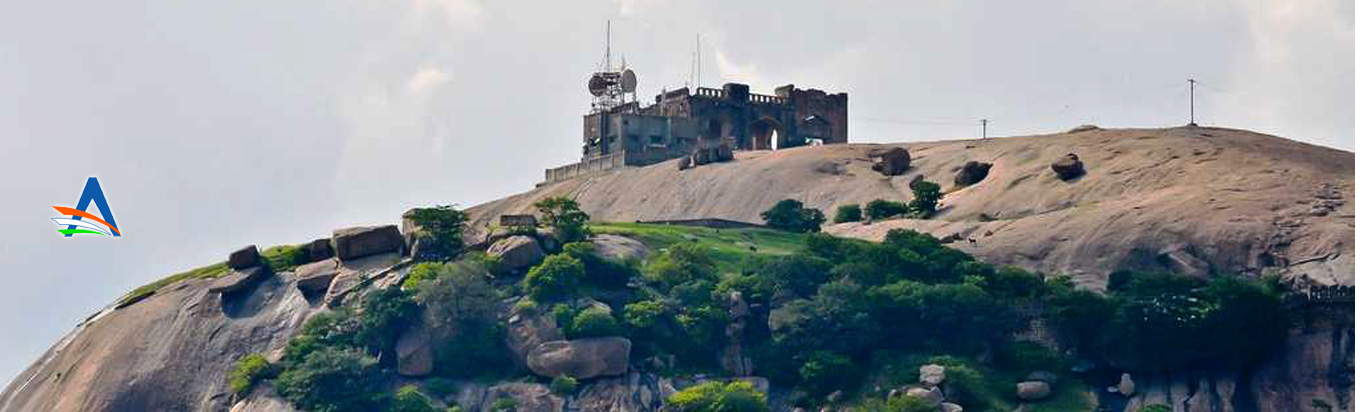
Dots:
{"x": 618, "y": 133}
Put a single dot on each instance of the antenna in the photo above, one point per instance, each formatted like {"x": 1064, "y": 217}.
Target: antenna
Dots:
{"x": 698, "y": 63}
{"x": 1192, "y": 102}
{"x": 608, "y": 62}
{"x": 984, "y": 128}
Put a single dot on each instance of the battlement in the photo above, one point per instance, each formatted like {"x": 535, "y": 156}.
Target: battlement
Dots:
{"x": 683, "y": 120}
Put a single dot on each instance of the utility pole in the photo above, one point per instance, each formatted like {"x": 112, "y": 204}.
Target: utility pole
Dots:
{"x": 1192, "y": 102}
{"x": 984, "y": 128}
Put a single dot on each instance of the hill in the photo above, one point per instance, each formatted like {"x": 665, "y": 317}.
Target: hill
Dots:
{"x": 1192, "y": 200}
{"x": 1198, "y": 201}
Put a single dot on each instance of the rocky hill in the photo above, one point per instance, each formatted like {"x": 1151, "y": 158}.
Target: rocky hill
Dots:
{"x": 1194, "y": 200}
{"x": 1198, "y": 201}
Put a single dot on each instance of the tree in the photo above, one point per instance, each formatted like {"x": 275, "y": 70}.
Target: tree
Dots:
{"x": 600, "y": 271}
{"x": 848, "y": 213}
{"x": 333, "y": 380}
{"x": 557, "y": 277}
{"x": 790, "y": 215}
{"x": 565, "y": 217}
{"x": 882, "y": 209}
{"x": 900, "y": 403}
{"x": 386, "y": 312}
{"x": 458, "y": 296}
{"x": 824, "y": 372}
{"x": 440, "y": 234}
{"x": 925, "y": 198}
{"x": 713, "y": 396}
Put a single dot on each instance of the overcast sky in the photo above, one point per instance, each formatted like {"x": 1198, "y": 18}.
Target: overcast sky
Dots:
{"x": 216, "y": 124}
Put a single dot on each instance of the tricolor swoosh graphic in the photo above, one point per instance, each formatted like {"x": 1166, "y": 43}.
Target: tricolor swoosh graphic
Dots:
{"x": 82, "y": 213}
{"x": 89, "y": 227}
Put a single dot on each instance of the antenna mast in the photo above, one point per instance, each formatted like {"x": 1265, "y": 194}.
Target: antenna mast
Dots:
{"x": 1192, "y": 102}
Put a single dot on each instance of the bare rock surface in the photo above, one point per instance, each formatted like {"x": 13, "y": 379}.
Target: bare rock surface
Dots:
{"x": 581, "y": 358}
{"x": 526, "y": 328}
{"x": 1231, "y": 194}
{"x": 169, "y": 352}
{"x": 244, "y": 257}
{"x": 356, "y": 242}
{"x": 516, "y": 252}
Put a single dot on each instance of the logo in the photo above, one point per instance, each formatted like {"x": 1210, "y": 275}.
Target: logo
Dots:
{"x": 92, "y": 193}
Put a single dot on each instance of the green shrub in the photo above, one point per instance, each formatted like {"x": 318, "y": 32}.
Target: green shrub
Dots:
{"x": 592, "y": 323}
{"x": 504, "y": 405}
{"x": 882, "y": 209}
{"x": 600, "y": 271}
{"x": 563, "y": 385}
{"x": 824, "y": 372}
{"x": 386, "y": 312}
{"x": 409, "y": 399}
{"x": 1013, "y": 282}
{"x": 1160, "y": 408}
{"x": 681, "y": 263}
{"x": 790, "y": 215}
{"x": 477, "y": 349}
{"x": 337, "y": 328}
{"x": 565, "y": 217}
{"x": 441, "y": 231}
{"x": 736, "y": 396}
{"x": 925, "y": 199}
{"x": 421, "y": 272}
{"x": 333, "y": 380}
{"x": 848, "y": 213}
{"x": 557, "y": 277}
{"x": 456, "y": 294}
{"x": 249, "y": 370}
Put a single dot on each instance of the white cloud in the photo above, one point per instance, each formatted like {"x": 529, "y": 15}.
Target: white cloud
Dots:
{"x": 426, "y": 79}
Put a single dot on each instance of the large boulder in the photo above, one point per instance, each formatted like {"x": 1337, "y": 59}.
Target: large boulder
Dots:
{"x": 892, "y": 162}
{"x": 950, "y": 407}
{"x": 932, "y": 395}
{"x": 733, "y": 358}
{"x": 357, "y": 242}
{"x": 1126, "y": 386}
{"x": 516, "y": 252}
{"x": 931, "y": 375}
{"x": 1043, "y": 376}
{"x": 972, "y": 173}
{"x": 581, "y": 358}
{"x": 1032, "y": 390}
{"x": 415, "y": 351}
{"x": 319, "y": 249}
{"x": 316, "y": 277}
{"x": 619, "y": 248}
{"x": 632, "y": 392}
{"x": 1068, "y": 167}
{"x": 238, "y": 279}
{"x": 526, "y": 329}
{"x": 684, "y": 163}
{"x": 244, "y": 257}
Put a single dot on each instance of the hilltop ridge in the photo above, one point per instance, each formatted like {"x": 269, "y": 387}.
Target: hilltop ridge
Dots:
{"x": 1195, "y": 200}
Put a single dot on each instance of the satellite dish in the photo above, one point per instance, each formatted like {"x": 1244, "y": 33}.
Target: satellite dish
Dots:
{"x": 629, "y": 81}
{"x": 597, "y": 85}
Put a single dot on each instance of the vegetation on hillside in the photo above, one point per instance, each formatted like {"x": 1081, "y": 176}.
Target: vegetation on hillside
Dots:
{"x": 836, "y": 319}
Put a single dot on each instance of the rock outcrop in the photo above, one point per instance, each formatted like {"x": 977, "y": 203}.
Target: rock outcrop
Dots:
{"x": 971, "y": 173}
{"x": 891, "y": 162}
{"x": 415, "y": 350}
{"x": 1032, "y": 390}
{"x": 1068, "y": 167}
{"x": 528, "y": 397}
{"x": 580, "y": 358}
{"x": 316, "y": 277}
{"x": 357, "y": 242}
{"x": 516, "y": 253}
{"x": 244, "y": 257}
{"x": 238, "y": 279}
{"x": 931, "y": 375}
{"x": 526, "y": 328}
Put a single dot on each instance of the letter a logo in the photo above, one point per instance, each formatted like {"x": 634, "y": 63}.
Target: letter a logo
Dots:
{"x": 75, "y": 223}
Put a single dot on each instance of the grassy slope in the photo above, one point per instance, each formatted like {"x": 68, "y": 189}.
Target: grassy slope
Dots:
{"x": 728, "y": 245}
{"x": 279, "y": 257}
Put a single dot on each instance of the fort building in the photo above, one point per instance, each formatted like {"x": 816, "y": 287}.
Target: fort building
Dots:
{"x": 619, "y": 133}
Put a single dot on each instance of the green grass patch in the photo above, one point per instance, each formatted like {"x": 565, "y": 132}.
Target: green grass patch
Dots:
{"x": 281, "y": 258}
{"x": 727, "y": 245}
